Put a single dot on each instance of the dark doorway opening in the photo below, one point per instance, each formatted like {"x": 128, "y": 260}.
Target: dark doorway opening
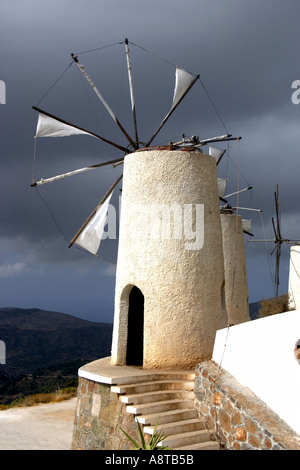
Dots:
{"x": 135, "y": 336}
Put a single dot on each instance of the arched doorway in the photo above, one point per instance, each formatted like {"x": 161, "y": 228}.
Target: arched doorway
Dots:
{"x": 135, "y": 335}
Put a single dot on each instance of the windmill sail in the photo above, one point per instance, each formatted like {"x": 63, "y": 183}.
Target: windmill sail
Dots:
{"x": 91, "y": 235}
{"x": 183, "y": 83}
{"x": 53, "y": 126}
{"x": 50, "y": 127}
{"x": 247, "y": 225}
{"x": 221, "y": 187}
{"x": 216, "y": 153}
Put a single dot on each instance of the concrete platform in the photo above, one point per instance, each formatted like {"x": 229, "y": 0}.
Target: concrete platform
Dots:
{"x": 103, "y": 371}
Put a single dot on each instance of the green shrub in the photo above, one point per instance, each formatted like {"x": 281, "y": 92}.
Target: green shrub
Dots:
{"x": 156, "y": 439}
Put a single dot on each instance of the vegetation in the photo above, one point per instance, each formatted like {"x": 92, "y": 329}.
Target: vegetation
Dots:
{"x": 273, "y": 306}
{"x": 43, "y": 381}
{"x": 156, "y": 439}
{"x": 44, "y": 351}
{"x": 39, "y": 398}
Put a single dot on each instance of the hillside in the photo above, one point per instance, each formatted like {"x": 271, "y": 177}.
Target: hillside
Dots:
{"x": 45, "y": 349}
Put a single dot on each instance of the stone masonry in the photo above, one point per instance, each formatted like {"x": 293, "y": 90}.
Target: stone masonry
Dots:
{"x": 99, "y": 418}
{"x": 239, "y": 419}
{"x": 235, "y": 416}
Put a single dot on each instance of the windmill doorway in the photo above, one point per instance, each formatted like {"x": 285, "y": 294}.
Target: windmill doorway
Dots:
{"x": 135, "y": 335}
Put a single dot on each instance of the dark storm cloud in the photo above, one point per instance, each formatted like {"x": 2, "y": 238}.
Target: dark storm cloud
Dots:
{"x": 246, "y": 53}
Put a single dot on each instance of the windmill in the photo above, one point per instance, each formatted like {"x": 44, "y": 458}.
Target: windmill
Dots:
{"x": 49, "y": 125}
{"x": 278, "y": 240}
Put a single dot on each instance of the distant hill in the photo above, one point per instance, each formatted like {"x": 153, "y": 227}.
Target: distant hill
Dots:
{"x": 45, "y": 349}
{"x": 42, "y": 344}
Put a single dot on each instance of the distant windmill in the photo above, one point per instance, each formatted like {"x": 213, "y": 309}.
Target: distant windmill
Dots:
{"x": 278, "y": 239}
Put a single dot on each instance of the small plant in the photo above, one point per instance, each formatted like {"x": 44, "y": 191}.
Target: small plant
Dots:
{"x": 156, "y": 439}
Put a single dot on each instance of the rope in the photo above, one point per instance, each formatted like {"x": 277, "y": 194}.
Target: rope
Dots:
{"x": 238, "y": 179}
{"x": 155, "y": 55}
{"x": 51, "y": 213}
{"x": 52, "y": 86}
{"x": 214, "y": 106}
{"x": 266, "y": 246}
{"x": 100, "y": 48}
{"x": 235, "y": 256}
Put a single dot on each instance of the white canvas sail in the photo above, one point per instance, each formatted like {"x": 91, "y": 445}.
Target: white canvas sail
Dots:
{"x": 247, "y": 225}
{"x": 91, "y": 235}
{"x": 216, "y": 153}
{"x": 183, "y": 80}
{"x": 183, "y": 83}
{"x": 221, "y": 186}
{"x": 50, "y": 127}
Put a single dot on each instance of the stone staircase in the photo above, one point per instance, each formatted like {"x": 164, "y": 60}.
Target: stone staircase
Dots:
{"x": 169, "y": 398}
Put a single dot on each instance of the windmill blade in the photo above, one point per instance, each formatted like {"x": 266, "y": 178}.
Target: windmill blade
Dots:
{"x": 278, "y": 252}
{"x": 108, "y": 108}
{"x": 53, "y": 126}
{"x": 239, "y": 192}
{"x": 275, "y": 247}
{"x": 76, "y": 172}
{"x": 131, "y": 92}
{"x": 183, "y": 83}
{"x": 94, "y": 213}
{"x": 275, "y": 232}
{"x": 277, "y": 208}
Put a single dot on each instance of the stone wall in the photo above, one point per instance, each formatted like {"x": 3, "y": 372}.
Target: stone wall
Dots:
{"x": 99, "y": 418}
{"x": 239, "y": 419}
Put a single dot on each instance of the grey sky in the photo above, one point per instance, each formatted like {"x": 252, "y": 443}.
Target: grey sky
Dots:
{"x": 247, "y": 55}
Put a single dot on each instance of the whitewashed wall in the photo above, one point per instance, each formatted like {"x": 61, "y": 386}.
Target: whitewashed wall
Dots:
{"x": 260, "y": 355}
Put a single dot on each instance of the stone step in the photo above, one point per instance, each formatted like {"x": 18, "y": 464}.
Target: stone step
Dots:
{"x": 153, "y": 376}
{"x": 150, "y": 386}
{"x": 159, "y": 395}
{"x": 159, "y": 407}
{"x": 186, "y": 438}
{"x": 177, "y": 427}
{"x": 167, "y": 399}
{"x": 167, "y": 416}
{"x": 207, "y": 445}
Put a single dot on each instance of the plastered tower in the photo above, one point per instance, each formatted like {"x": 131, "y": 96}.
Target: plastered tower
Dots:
{"x": 170, "y": 295}
{"x": 294, "y": 277}
{"x": 236, "y": 281}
